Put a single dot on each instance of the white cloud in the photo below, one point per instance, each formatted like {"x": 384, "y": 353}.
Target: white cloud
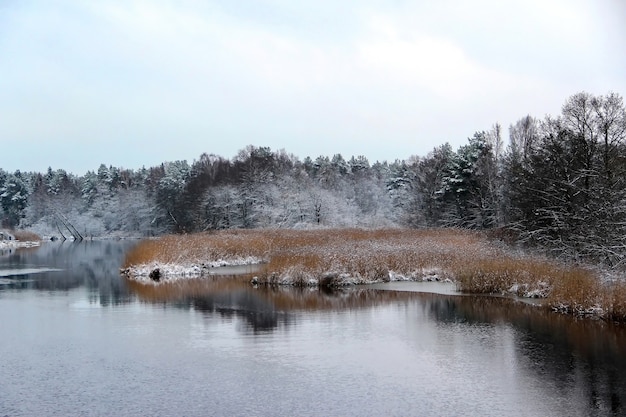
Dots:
{"x": 315, "y": 78}
{"x": 418, "y": 60}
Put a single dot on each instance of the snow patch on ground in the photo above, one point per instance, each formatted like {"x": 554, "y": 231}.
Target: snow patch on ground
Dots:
{"x": 541, "y": 290}
{"x": 580, "y": 311}
{"x": 298, "y": 278}
{"x": 158, "y": 272}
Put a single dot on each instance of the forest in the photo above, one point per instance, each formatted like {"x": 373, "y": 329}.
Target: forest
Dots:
{"x": 557, "y": 183}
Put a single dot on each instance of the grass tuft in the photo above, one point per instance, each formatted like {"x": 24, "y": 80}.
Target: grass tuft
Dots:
{"x": 25, "y": 236}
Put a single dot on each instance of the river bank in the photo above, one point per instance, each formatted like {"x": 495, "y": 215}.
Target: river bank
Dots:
{"x": 340, "y": 257}
{"x": 12, "y": 239}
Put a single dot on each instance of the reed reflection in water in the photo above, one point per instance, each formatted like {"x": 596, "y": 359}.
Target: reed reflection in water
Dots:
{"x": 581, "y": 354}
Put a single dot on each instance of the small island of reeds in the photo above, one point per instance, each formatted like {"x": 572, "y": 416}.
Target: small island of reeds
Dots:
{"x": 340, "y": 257}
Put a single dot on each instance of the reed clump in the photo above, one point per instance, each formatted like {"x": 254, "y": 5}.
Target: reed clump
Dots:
{"x": 578, "y": 291}
{"x": 196, "y": 248}
{"x": 522, "y": 276}
{"x": 334, "y": 256}
{"x": 25, "y": 236}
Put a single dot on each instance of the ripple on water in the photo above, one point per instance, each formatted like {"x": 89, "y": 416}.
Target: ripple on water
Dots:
{"x": 25, "y": 271}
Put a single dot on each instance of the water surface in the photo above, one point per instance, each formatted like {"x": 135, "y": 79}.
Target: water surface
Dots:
{"x": 84, "y": 341}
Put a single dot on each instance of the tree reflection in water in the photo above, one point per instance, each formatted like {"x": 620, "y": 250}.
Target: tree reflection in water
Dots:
{"x": 264, "y": 308}
{"x": 92, "y": 264}
{"x": 588, "y": 356}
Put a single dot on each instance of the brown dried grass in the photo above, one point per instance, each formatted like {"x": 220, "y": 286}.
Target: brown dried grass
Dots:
{"x": 478, "y": 264}
{"x": 25, "y": 236}
{"x": 197, "y": 248}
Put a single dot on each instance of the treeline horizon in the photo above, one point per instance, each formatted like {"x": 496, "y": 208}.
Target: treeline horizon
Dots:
{"x": 559, "y": 184}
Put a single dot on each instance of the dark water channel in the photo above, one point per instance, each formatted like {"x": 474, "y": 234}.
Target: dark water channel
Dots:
{"x": 77, "y": 339}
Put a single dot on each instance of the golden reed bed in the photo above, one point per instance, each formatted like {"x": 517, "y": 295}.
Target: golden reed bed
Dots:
{"x": 477, "y": 263}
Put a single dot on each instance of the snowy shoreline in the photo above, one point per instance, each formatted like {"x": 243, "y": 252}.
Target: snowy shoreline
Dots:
{"x": 173, "y": 272}
{"x": 13, "y": 244}
{"x": 338, "y": 280}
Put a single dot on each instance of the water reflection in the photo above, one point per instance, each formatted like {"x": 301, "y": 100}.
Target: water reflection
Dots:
{"x": 582, "y": 355}
{"x": 91, "y": 264}
{"x": 325, "y": 333}
{"x": 263, "y": 308}
{"x": 586, "y": 355}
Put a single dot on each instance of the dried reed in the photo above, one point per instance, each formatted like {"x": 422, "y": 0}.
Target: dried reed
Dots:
{"x": 25, "y": 236}
{"x": 478, "y": 264}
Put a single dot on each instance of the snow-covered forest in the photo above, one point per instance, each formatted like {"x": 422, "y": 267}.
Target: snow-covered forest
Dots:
{"x": 558, "y": 183}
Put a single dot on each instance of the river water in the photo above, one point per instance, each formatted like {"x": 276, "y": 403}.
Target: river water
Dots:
{"x": 78, "y": 339}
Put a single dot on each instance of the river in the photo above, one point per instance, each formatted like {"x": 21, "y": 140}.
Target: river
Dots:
{"x": 79, "y": 339}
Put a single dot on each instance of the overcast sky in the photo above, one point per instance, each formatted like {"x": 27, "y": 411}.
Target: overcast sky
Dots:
{"x": 133, "y": 83}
